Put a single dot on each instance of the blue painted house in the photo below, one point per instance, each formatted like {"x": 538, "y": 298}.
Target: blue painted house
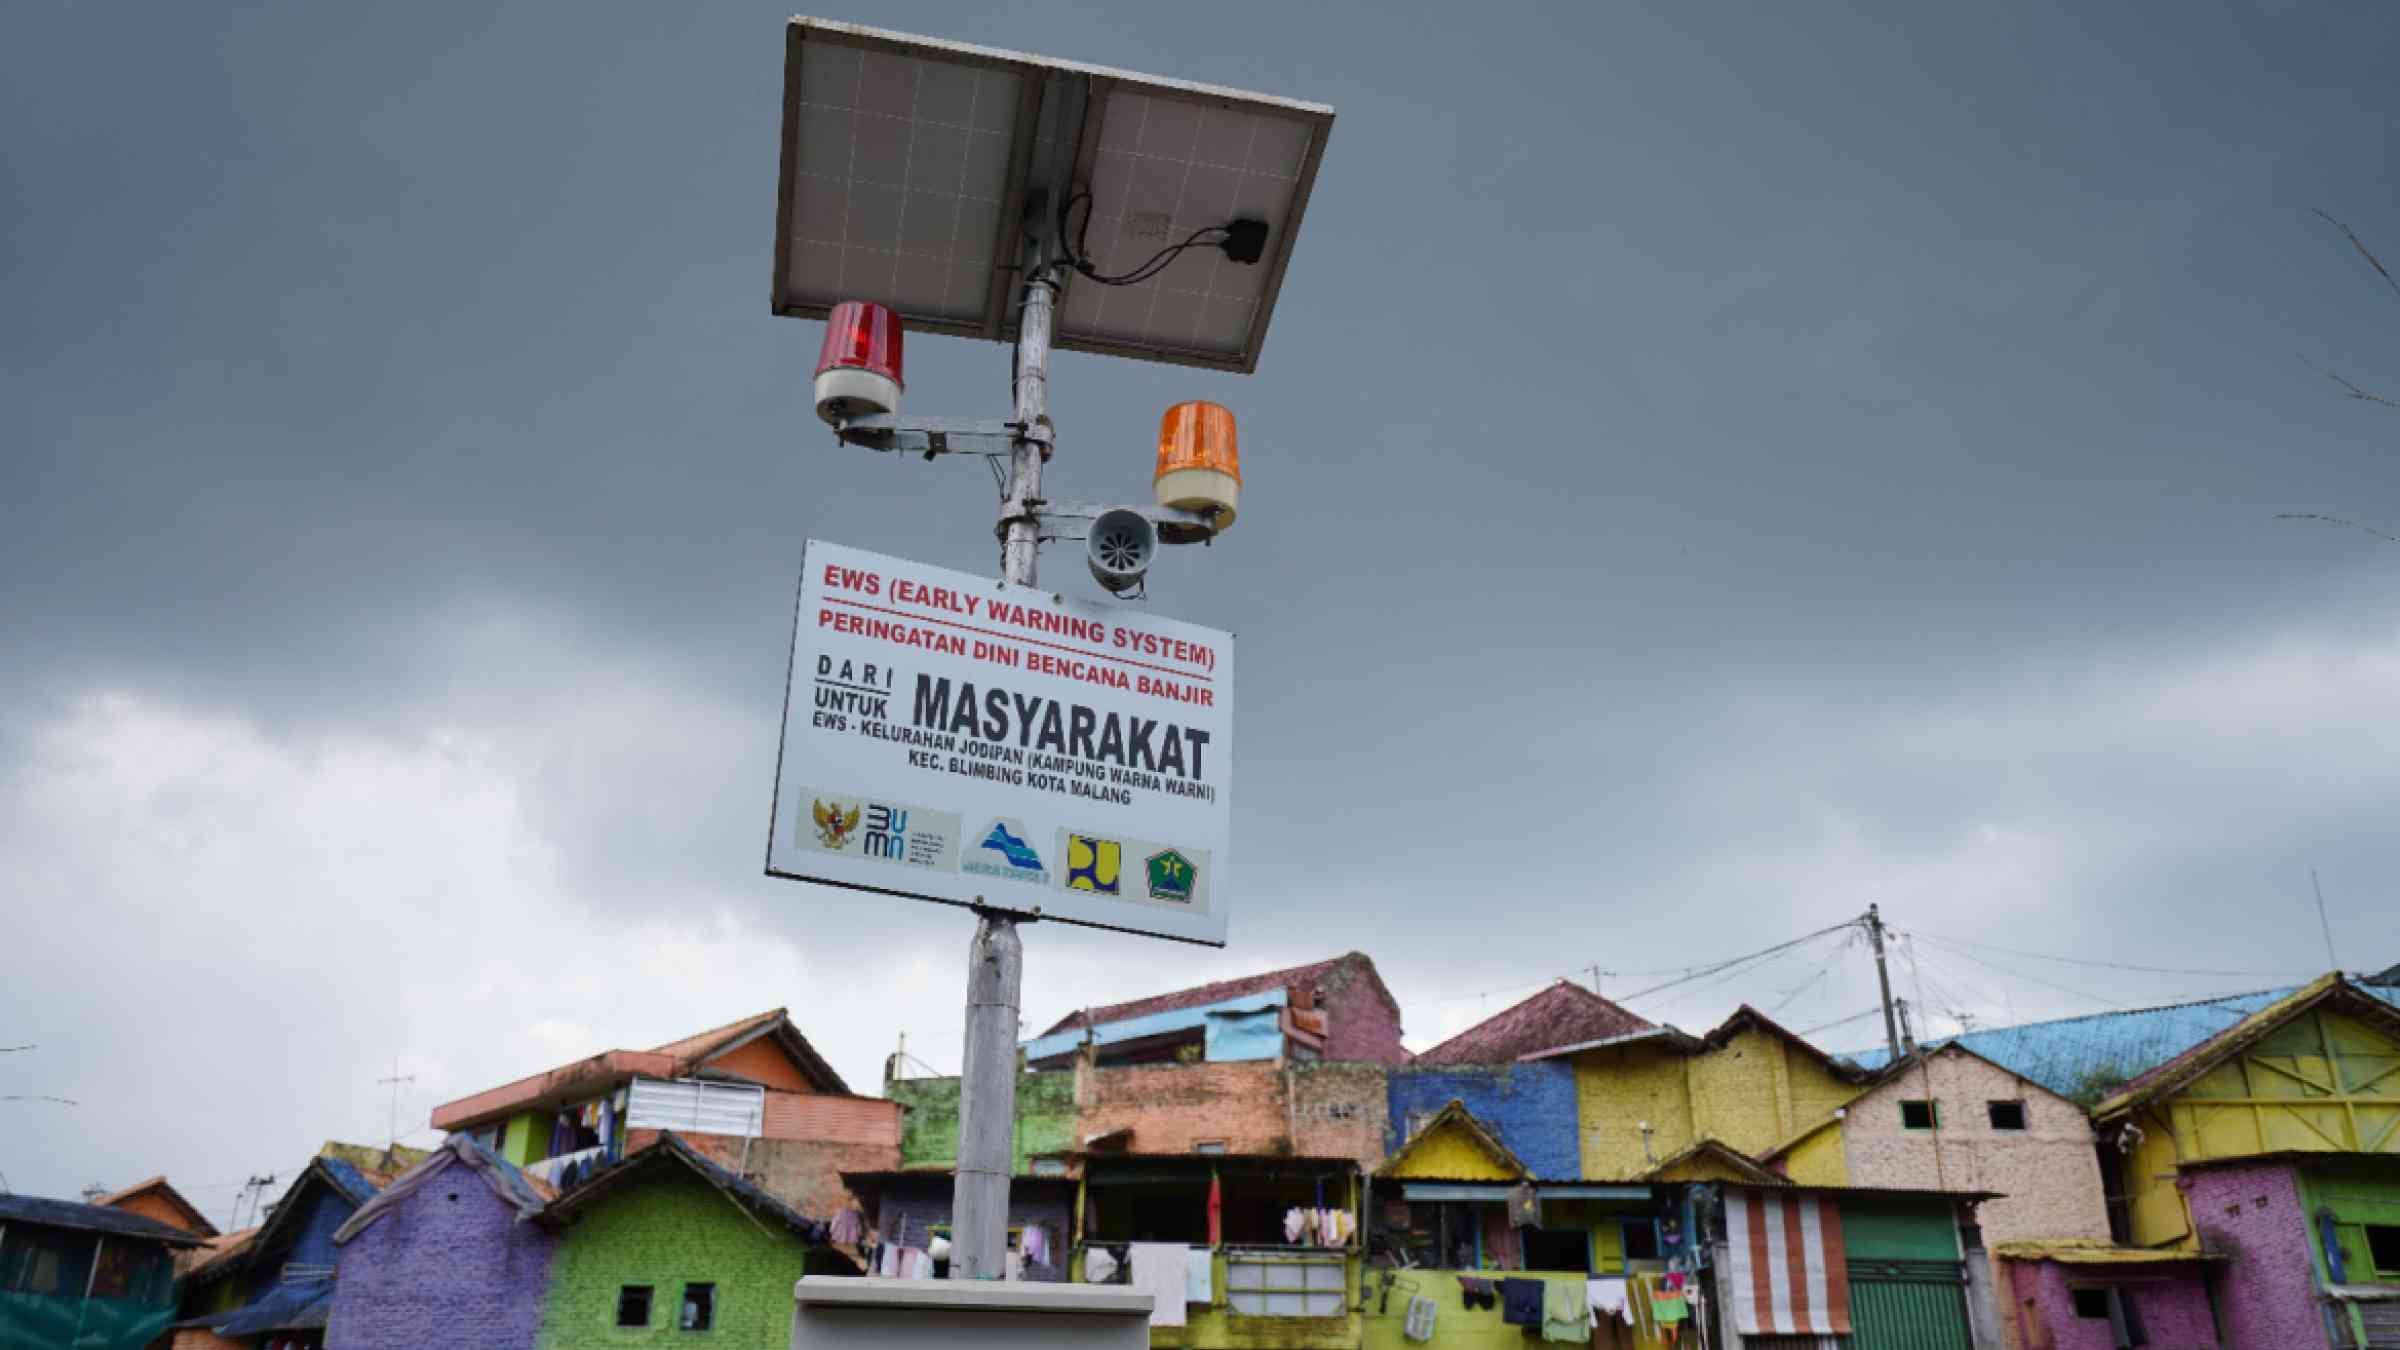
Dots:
{"x": 281, "y": 1289}
{"x": 86, "y": 1276}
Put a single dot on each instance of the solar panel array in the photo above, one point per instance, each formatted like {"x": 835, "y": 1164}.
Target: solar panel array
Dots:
{"x": 900, "y": 170}
{"x": 1168, "y": 166}
{"x": 906, "y": 157}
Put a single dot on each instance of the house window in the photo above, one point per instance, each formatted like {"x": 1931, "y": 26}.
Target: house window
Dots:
{"x": 2383, "y": 1249}
{"x": 2114, "y": 1305}
{"x": 2006, "y": 1115}
{"x": 2090, "y": 1304}
{"x": 1558, "y": 1249}
{"x": 1641, "y": 1239}
{"x": 699, "y": 1307}
{"x": 633, "y": 1306}
{"x": 1918, "y": 1115}
{"x": 1209, "y": 1146}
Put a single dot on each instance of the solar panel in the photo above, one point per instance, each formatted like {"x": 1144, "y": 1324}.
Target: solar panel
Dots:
{"x": 908, "y": 164}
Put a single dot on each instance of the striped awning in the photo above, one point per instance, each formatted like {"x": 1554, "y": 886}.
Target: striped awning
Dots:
{"x": 1787, "y": 1273}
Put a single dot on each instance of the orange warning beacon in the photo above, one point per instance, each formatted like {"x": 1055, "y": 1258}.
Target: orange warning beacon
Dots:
{"x": 1199, "y": 461}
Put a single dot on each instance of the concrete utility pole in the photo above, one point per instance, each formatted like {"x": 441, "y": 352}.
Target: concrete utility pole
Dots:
{"x": 987, "y": 1090}
{"x": 1883, "y": 977}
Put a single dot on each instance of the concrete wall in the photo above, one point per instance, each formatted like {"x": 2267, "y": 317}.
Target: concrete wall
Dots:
{"x": 1531, "y": 1107}
{"x": 665, "y": 1232}
{"x": 764, "y": 1061}
{"x": 1757, "y": 1090}
{"x": 1339, "y": 1111}
{"x": 2048, "y": 1173}
{"x": 154, "y": 1206}
{"x": 449, "y": 1265}
{"x": 2171, "y": 1301}
{"x": 929, "y": 1127}
{"x": 2266, "y": 1291}
{"x": 1617, "y": 1090}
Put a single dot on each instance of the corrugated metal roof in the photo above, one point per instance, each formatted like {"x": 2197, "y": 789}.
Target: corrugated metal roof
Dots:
{"x": 1332, "y": 974}
{"x": 2087, "y": 1058}
{"x": 33, "y": 1209}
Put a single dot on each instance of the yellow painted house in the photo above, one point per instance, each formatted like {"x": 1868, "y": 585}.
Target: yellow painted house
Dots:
{"x": 2317, "y": 1072}
{"x": 1648, "y": 1098}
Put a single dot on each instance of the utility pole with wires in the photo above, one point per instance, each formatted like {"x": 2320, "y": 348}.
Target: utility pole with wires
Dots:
{"x": 2332, "y": 962}
{"x": 394, "y": 1083}
{"x": 1883, "y": 979}
{"x": 1595, "y": 969}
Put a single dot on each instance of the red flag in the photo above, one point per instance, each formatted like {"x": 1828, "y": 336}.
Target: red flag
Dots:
{"x": 1216, "y": 1212}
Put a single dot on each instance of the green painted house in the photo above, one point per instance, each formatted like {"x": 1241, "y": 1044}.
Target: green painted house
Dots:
{"x": 668, "y": 1248}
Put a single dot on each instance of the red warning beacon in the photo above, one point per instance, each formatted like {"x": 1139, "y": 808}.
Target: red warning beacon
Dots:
{"x": 858, "y": 369}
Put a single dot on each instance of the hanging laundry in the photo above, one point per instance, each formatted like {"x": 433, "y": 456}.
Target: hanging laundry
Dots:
{"x": 1566, "y": 1316}
{"x": 1607, "y": 1299}
{"x": 1037, "y": 1245}
{"x": 1293, "y": 1224}
{"x": 1099, "y": 1266}
{"x": 1200, "y": 1282}
{"x": 1163, "y": 1271}
{"x": 889, "y": 1266}
{"x": 1476, "y": 1293}
{"x": 1521, "y": 1303}
{"x": 847, "y": 1226}
{"x": 1419, "y": 1326}
{"x": 1216, "y": 1211}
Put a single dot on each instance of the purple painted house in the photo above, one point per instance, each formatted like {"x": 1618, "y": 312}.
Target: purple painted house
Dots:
{"x": 444, "y": 1256}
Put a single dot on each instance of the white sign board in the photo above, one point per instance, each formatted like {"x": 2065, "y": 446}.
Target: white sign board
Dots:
{"x": 954, "y": 738}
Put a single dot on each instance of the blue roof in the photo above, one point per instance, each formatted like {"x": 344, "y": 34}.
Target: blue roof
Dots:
{"x": 1154, "y": 1024}
{"x": 348, "y": 1179}
{"x": 286, "y": 1307}
{"x": 2075, "y": 1056}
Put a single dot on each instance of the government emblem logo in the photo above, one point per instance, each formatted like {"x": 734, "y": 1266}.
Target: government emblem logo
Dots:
{"x": 833, "y": 824}
{"x": 1005, "y": 852}
{"x": 1171, "y": 877}
{"x": 1093, "y": 864}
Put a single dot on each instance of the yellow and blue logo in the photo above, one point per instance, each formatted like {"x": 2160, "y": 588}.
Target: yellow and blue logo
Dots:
{"x": 1093, "y": 864}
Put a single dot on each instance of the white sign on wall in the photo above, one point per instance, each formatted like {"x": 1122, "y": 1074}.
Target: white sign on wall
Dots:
{"x": 954, "y": 738}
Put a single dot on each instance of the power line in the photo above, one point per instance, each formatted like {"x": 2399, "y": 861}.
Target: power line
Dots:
{"x": 1700, "y": 972}
{"x": 1875, "y": 1011}
{"x": 2109, "y": 965}
{"x": 2021, "y": 975}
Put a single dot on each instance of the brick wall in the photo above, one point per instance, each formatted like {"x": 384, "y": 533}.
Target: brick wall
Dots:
{"x": 805, "y": 1174}
{"x": 2267, "y": 1291}
{"x": 2170, "y": 1301}
{"x": 451, "y": 1264}
{"x": 1359, "y": 1025}
{"x": 1339, "y": 1111}
{"x": 1531, "y": 1107}
{"x": 666, "y": 1231}
{"x": 910, "y": 1209}
{"x": 2048, "y": 1174}
{"x": 1172, "y": 1107}
{"x": 833, "y": 1119}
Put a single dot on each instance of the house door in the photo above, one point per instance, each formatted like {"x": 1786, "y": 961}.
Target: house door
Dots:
{"x": 1908, "y": 1305}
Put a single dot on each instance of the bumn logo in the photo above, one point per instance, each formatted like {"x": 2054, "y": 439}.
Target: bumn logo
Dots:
{"x": 1172, "y": 877}
{"x": 1093, "y": 864}
{"x": 887, "y": 832}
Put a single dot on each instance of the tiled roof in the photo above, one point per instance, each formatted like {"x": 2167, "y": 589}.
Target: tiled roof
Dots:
{"x": 671, "y": 1149}
{"x": 706, "y": 1043}
{"x": 587, "y": 1077}
{"x": 1563, "y": 1014}
{"x": 2088, "y": 1058}
{"x": 1331, "y": 974}
{"x": 83, "y": 1218}
{"x": 221, "y": 1256}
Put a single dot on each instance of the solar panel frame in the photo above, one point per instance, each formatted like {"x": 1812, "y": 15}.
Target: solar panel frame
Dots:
{"x": 1036, "y": 75}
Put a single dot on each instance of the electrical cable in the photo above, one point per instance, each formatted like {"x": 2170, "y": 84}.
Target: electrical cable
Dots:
{"x": 1705, "y": 971}
{"x": 1854, "y": 1017}
{"x": 2021, "y": 975}
{"x": 1082, "y": 263}
{"x": 2113, "y": 965}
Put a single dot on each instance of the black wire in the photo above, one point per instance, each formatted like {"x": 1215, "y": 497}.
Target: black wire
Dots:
{"x": 1081, "y": 261}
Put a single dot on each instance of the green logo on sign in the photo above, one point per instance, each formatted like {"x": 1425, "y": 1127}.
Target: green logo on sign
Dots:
{"x": 1171, "y": 877}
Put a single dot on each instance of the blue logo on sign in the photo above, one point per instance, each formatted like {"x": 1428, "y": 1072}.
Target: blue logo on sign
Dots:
{"x": 1020, "y": 854}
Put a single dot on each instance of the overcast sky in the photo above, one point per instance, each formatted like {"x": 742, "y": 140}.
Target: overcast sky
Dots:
{"x": 1712, "y": 467}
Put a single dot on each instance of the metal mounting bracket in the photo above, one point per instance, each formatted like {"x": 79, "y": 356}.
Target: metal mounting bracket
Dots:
{"x": 931, "y": 436}
{"x": 1073, "y": 520}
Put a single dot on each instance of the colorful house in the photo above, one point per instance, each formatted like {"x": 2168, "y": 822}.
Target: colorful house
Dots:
{"x": 155, "y": 1199}
{"x": 666, "y": 1247}
{"x": 1790, "y": 1266}
{"x": 95, "y": 1277}
{"x": 912, "y": 1211}
{"x": 1456, "y": 1212}
{"x": 753, "y": 1094}
{"x": 1336, "y": 1009}
{"x": 1647, "y": 1095}
{"x": 2274, "y": 1147}
{"x": 1564, "y": 1014}
{"x": 445, "y": 1255}
{"x": 276, "y": 1288}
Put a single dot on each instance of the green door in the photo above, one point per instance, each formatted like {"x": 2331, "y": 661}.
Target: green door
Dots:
{"x": 1908, "y": 1305}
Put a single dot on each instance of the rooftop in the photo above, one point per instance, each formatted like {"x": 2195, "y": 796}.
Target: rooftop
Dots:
{"x": 684, "y": 1058}
{"x": 1563, "y": 1014}
{"x": 1332, "y": 976}
{"x": 194, "y": 1220}
{"x": 83, "y": 1218}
